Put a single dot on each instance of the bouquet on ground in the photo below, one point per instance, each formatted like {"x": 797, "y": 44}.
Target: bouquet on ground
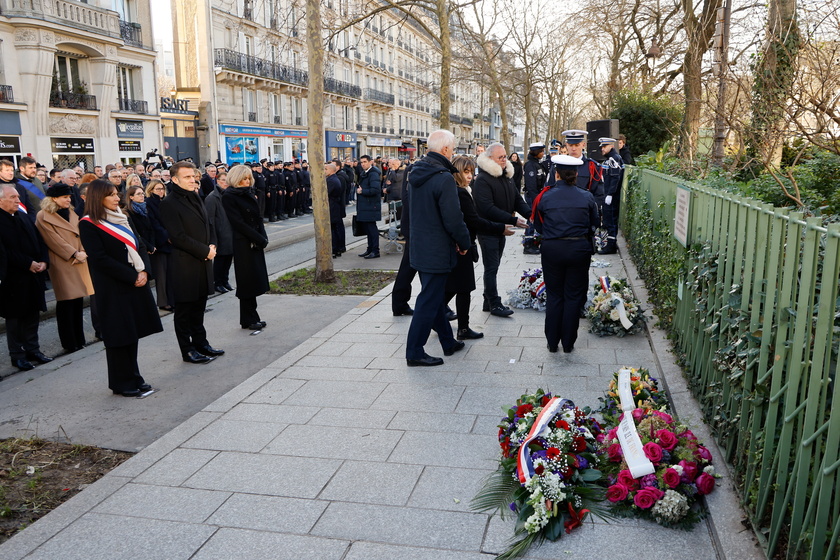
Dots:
{"x": 683, "y": 470}
{"x": 613, "y": 310}
{"x": 530, "y": 293}
{"x": 646, "y": 395}
{"x": 531, "y": 243}
{"x": 547, "y": 472}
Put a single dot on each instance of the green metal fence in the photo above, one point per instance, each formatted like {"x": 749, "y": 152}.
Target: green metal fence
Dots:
{"x": 756, "y": 326}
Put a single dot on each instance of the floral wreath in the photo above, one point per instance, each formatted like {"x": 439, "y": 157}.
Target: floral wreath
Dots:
{"x": 604, "y": 309}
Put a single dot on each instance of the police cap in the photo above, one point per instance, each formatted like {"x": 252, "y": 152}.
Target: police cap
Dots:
{"x": 574, "y": 136}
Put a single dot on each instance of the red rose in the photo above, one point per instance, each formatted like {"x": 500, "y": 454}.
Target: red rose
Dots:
{"x": 545, "y": 400}
{"x": 612, "y": 434}
{"x": 579, "y": 444}
{"x": 689, "y": 470}
{"x": 524, "y": 409}
{"x": 614, "y": 453}
{"x": 626, "y": 479}
{"x": 617, "y": 493}
{"x": 646, "y": 497}
{"x": 705, "y": 484}
{"x": 667, "y": 439}
{"x": 703, "y": 454}
{"x": 552, "y": 453}
{"x": 664, "y": 416}
{"x": 539, "y": 469}
{"x": 671, "y": 478}
{"x": 688, "y": 434}
{"x": 638, "y": 413}
{"x": 653, "y": 452}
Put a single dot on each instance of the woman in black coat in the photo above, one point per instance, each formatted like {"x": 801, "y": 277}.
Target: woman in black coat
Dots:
{"x": 335, "y": 195}
{"x": 517, "y": 171}
{"x": 118, "y": 261}
{"x": 155, "y": 191}
{"x": 461, "y": 281}
{"x": 135, "y": 208}
{"x": 249, "y": 240}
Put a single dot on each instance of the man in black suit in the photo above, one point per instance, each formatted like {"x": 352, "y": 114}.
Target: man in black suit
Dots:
{"x": 23, "y": 285}
{"x": 208, "y": 180}
{"x": 193, "y": 250}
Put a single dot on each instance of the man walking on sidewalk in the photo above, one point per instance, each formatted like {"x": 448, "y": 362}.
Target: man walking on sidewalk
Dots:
{"x": 438, "y": 232}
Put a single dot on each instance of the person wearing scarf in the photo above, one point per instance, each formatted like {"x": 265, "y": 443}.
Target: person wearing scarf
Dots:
{"x": 118, "y": 260}
{"x": 59, "y": 227}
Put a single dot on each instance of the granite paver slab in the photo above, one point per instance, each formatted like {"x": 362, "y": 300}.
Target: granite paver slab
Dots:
{"x": 234, "y": 435}
{"x": 361, "y": 550}
{"x": 176, "y": 467}
{"x": 447, "y": 488}
{"x": 268, "y": 513}
{"x": 256, "y": 545}
{"x": 384, "y": 483}
{"x": 339, "y": 394}
{"x": 335, "y": 442}
{"x": 169, "y": 503}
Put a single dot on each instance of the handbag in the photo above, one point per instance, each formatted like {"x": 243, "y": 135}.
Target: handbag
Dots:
{"x": 356, "y": 228}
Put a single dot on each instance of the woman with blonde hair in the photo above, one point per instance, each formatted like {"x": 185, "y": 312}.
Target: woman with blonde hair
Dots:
{"x": 59, "y": 226}
{"x": 133, "y": 180}
{"x": 155, "y": 192}
{"x": 461, "y": 281}
{"x": 249, "y": 241}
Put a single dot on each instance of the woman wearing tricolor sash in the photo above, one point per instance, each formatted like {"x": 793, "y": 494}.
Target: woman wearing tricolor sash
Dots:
{"x": 118, "y": 261}
{"x": 566, "y": 216}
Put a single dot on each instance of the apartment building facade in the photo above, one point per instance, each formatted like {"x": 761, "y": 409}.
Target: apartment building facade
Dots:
{"x": 77, "y": 81}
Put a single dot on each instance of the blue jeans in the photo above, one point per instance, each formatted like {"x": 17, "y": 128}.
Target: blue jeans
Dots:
{"x": 429, "y": 314}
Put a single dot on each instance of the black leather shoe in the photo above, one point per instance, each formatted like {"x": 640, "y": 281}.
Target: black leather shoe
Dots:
{"x": 210, "y": 351}
{"x": 366, "y": 253}
{"x": 23, "y": 365}
{"x": 501, "y": 311}
{"x": 569, "y": 349}
{"x": 131, "y": 393}
{"x": 255, "y": 327}
{"x": 193, "y": 357}
{"x": 336, "y": 255}
{"x": 407, "y": 310}
{"x": 450, "y": 315}
{"x": 221, "y": 289}
{"x": 145, "y": 387}
{"x": 469, "y": 334}
{"x": 38, "y": 357}
{"x": 552, "y": 349}
{"x": 425, "y": 361}
{"x": 486, "y": 306}
{"x": 372, "y": 255}
{"x": 227, "y": 286}
{"x": 457, "y": 348}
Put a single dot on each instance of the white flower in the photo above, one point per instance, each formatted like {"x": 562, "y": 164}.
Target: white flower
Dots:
{"x": 678, "y": 468}
{"x": 672, "y": 507}
{"x": 710, "y": 470}
{"x": 614, "y": 315}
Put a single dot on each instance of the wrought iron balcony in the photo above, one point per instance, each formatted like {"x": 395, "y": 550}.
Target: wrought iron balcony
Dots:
{"x": 248, "y": 64}
{"x": 298, "y": 121}
{"x": 342, "y": 88}
{"x": 358, "y": 127}
{"x": 466, "y": 121}
{"x": 379, "y": 96}
{"x": 131, "y": 33}
{"x": 70, "y": 100}
{"x": 252, "y": 116}
{"x": 78, "y": 15}
{"x": 370, "y": 128}
{"x": 278, "y": 119}
{"x": 134, "y": 106}
{"x": 6, "y": 94}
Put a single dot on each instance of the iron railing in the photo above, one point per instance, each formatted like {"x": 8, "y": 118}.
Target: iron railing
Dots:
{"x": 70, "y": 100}
{"x": 755, "y": 323}
{"x": 342, "y": 88}
{"x": 7, "y": 95}
{"x": 131, "y": 33}
{"x": 134, "y": 106}
{"x": 249, "y": 64}
{"x": 380, "y": 96}
{"x": 252, "y": 116}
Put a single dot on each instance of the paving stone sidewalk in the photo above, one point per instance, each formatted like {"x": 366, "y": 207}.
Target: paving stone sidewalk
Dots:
{"x": 338, "y": 451}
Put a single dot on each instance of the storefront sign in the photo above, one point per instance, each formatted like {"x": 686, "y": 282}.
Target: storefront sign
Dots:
{"x": 377, "y": 141}
{"x": 229, "y": 130}
{"x": 239, "y": 149}
{"x": 72, "y": 145}
{"x": 129, "y": 129}
{"x": 172, "y": 105}
{"x": 9, "y": 145}
{"x": 129, "y": 145}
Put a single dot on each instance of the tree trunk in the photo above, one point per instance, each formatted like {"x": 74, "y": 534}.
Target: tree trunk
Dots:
{"x": 323, "y": 237}
{"x": 445, "y": 60}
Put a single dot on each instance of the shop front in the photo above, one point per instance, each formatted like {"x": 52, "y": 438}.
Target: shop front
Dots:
{"x": 246, "y": 144}
{"x": 70, "y": 152}
{"x": 383, "y": 147}
{"x": 10, "y": 145}
{"x": 130, "y": 136}
{"x": 180, "y": 130}
{"x": 341, "y": 144}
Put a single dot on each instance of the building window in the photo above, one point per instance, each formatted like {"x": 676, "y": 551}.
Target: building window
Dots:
{"x": 333, "y": 116}
{"x": 276, "y": 112}
{"x": 125, "y": 83}
{"x": 66, "y": 78}
{"x": 250, "y": 98}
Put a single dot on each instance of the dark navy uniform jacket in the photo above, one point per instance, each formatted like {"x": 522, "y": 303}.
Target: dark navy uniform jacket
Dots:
{"x": 613, "y": 168}
{"x": 535, "y": 175}
{"x": 585, "y": 180}
{"x": 565, "y": 211}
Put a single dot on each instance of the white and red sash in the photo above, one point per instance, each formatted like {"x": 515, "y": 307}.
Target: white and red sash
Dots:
{"x": 524, "y": 464}
{"x": 119, "y": 232}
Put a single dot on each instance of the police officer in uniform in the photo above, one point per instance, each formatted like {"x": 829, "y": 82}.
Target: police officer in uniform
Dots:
{"x": 290, "y": 178}
{"x": 566, "y": 216}
{"x": 535, "y": 171}
{"x": 613, "y": 169}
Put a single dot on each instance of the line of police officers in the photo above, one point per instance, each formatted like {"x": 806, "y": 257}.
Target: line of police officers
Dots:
{"x": 603, "y": 180}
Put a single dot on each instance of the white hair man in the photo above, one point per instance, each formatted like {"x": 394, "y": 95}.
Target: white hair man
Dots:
{"x": 438, "y": 234}
{"x": 497, "y": 200}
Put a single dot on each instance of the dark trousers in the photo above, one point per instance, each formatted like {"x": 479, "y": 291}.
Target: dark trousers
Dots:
{"x": 372, "y": 235}
{"x": 22, "y": 334}
{"x": 248, "y": 311}
{"x": 221, "y": 269}
{"x": 462, "y": 308}
{"x": 429, "y": 315}
{"x": 566, "y": 272}
{"x": 261, "y": 201}
{"x": 492, "y": 248}
{"x": 94, "y": 316}
{"x": 402, "y": 284}
{"x": 123, "y": 371}
{"x": 189, "y": 324}
{"x": 610, "y": 215}
{"x": 70, "y": 323}
{"x": 339, "y": 235}
{"x": 160, "y": 269}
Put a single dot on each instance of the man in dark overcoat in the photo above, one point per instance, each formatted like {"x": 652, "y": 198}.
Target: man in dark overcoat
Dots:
{"x": 438, "y": 233}
{"x": 193, "y": 249}
{"x": 369, "y": 205}
{"x": 24, "y": 284}
{"x": 335, "y": 195}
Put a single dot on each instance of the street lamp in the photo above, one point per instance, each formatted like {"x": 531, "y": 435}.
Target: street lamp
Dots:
{"x": 652, "y": 54}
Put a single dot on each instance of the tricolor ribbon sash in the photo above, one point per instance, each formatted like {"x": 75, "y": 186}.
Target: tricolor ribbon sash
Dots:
{"x": 524, "y": 465}
{"x": 22, "y": 208}
{"x": 634, "y": 454}
{"x": 540, "y": 289}
{"x": 116, "y": 231}
{"x": 605, "y": 283}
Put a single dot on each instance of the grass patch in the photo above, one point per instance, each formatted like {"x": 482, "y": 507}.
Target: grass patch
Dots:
{"x": 37, "y": 475}
{"x": 347, "y": 283}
